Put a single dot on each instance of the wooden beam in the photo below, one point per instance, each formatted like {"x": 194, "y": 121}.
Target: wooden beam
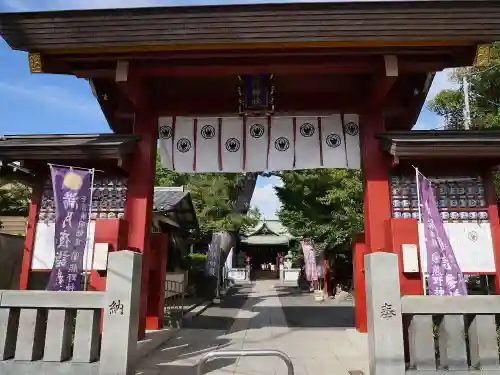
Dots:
{"x": 136, "y": 91}
{"x": 223, "y": 104}
{"x": 415, "y": 53}
{"x": 121, "y": 74}
{"x": 235, "y": 70}
{"x": 383, "y": 84}
{"x": 391, "y": 65}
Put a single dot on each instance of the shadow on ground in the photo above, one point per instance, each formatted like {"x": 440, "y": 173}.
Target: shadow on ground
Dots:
{"x": 300, "y": 309}
{"x": 180, "y": 355}
{"x": 205, "y": 333}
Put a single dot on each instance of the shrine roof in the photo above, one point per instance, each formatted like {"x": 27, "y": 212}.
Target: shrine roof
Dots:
{"x": 442, "y": 144}
{"x": 177, "y": 205}
{"x": 66, "y": 147}
{"x": 327, "y": 24}
{"x": 267, "y": 232}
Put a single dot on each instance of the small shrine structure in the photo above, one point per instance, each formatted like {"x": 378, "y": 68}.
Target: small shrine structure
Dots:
{"x": 263, "y": 244}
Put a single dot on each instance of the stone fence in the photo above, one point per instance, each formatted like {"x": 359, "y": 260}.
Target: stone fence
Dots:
{"x": 59, "y": 332}
{"x": 445, "y": 335}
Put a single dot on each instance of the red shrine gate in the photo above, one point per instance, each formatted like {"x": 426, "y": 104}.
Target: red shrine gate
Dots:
{"x": 375, "y": 60}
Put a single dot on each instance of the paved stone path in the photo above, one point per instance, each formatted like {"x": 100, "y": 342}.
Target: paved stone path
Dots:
{"x": 319, "y": 337}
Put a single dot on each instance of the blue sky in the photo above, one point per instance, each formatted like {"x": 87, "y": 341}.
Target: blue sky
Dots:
{"x": 55, "y": 104}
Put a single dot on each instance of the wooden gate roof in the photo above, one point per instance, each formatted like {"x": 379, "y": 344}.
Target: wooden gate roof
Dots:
{"x": 326, "y": 24}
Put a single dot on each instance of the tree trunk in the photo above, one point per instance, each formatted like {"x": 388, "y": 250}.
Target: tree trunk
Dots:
{"x": 245, "y": 193}
{"x": 241, "y": 206}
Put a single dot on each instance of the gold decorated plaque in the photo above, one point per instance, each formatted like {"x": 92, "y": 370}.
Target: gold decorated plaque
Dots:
{"x": 35, "y": 62}
{"x": 482, "y": 55}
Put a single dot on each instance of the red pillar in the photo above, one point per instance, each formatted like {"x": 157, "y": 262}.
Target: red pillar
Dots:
{"x": 491, "y": 197}
{"x": 375, "y": 166}
{"x": 359, "y": 249}
{"x": 139, "y": 204}
{"x": 157, "y": 276}
{"x": 377, "y": 206}
{"x": 29, "y": 241}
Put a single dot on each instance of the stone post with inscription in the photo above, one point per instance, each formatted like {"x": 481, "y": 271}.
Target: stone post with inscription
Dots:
{"x": 121, "y": 314}
{"x": 384, "y": 318}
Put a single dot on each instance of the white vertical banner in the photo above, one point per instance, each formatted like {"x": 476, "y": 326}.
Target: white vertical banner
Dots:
{"x": 231, "y": 143}
{"x": 307, "y": 143}
{"x": 257, "y": 141}
{"x": 281, "y": 145}
{"x": 351, "y": 133}
{"x": 334, "y": 151}
{"x": 207, "y": 144}
{"x": 165, "y": 135}
{"x": 184, "y": 144}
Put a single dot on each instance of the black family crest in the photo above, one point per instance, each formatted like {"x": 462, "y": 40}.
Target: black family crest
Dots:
{"x": 165, "y": 132}
{"x": 351, "y": 128}
{"x": 282, "y": 144}
{"x": 333, "y": 140}
{"x": 208, "y": 131}
{"x": 183, "y": 145}
{"x": 307, "y": 129}
{"x": 232, "y": 145}
{"x": 257, "y": 130}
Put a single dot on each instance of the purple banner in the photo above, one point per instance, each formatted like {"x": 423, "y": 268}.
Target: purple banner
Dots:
{"x": 444, "y": 275}
{"x": 72, "y": 189}
{"x": 309, "y": 261}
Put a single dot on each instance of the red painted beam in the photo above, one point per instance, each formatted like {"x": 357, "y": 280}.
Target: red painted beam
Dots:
{"x": 380, "y": 90}
{"x": 215, "y": 104}
{"x": 234, "y": 70}
{"x": 221, "y": 68}
{"x": 136, "y": 91}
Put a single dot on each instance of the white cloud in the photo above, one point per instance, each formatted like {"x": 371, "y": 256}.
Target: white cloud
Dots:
{"x": 54, "y": 96}
{"x": 264, "y": 198}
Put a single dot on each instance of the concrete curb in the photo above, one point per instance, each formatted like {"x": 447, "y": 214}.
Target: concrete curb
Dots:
{"x": 153, "y": 340}
{"x": 197, "y": 310}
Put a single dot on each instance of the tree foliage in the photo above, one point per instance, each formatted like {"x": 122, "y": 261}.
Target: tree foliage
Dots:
{"x": 14, "y": 199}
{"x": 484, "y": 96}
{"x": 322, "y": 204}
{"x": 215, "y": 197}
{"x": 221, "y": 200}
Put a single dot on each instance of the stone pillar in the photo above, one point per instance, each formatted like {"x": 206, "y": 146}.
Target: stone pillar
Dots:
{"x": 121, "y": 314}
{"x": 139, "y": 205}
{"x": 385, "y": 322}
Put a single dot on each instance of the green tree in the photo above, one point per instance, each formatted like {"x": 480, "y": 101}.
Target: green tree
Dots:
{"x": 215, "y": 197}
{"x": 166, "y": 177}
{"x": 325, "y": 205}
{"x": 14, "y": 199}
{"x": 484, "y": 99}
{"x": 221, "y": 200}
{"x": 484, "y": 96}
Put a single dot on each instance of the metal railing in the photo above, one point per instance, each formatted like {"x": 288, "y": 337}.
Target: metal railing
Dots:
{"x": 245, "y": 353}
{"x": 174, "y": 303}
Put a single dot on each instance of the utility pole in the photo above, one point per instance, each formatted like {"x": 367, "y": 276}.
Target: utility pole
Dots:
{"x": 467, "y": 121}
